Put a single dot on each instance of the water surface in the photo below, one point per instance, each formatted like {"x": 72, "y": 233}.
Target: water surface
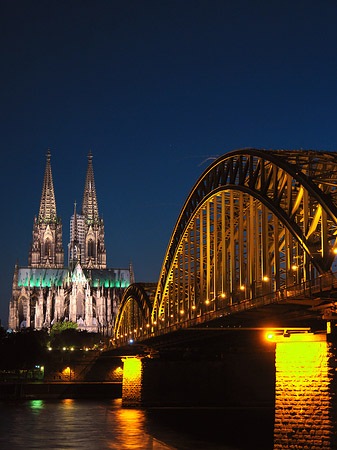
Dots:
{"x": 80, "y": 424}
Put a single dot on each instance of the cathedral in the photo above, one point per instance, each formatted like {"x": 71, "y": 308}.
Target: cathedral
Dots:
{"x": 85, "y": 291}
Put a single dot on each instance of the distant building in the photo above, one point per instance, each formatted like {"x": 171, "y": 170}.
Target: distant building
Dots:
{"x": 86, "y": 291}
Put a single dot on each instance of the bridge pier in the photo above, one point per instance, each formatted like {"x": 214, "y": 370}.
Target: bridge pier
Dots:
{"x": 297, "y": 375}
{"x": 132, "y": 382}
{"x": 236, "y": 377}
{"x": 305, "y": 394}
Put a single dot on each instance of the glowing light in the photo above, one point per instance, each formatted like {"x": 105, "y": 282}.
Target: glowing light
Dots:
{"x": 193, "y": 307}
{"x": 207, "y": 302}
{"x": 182, "y": 312}
{"x": 117, "y": 372}
{"x": 265, "y": 278}
{"x": 72, "y": 349}
{"x": 63, "y": 348}
{"x": 50, "y": 349}
{"x": 154, "y": 323}
{"x": 242, "y": 287}
{"x": 147, "y": 325}
{"x": 131, "y": 341}
{"x": 328, "y": 327}
{"x": 269, "y": 335}
{"x": 294, "y": 267}
{"x": 171, "y": 315}
{"x": 36, "y": 404}
{"x": 223, "y": 295}
{"x": 335, "y": 251}
{"x": 67, "y": 372}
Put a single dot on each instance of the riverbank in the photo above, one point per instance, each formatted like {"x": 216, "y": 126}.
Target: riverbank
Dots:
{"x": 60, "y": 390}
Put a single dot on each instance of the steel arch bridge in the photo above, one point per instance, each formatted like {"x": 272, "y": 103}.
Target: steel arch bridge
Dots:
{"x": 255, "y": 224}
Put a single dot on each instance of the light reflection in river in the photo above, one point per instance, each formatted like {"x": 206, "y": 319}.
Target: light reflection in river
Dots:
{"x": 79, "y": 424}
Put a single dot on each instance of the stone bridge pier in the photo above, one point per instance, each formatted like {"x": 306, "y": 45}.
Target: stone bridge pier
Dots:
{"x": 296, "y": 373}
{"x": 305, "y": 393}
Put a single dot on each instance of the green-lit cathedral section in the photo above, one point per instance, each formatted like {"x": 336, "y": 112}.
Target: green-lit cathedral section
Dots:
{"x": 85, "y": 291}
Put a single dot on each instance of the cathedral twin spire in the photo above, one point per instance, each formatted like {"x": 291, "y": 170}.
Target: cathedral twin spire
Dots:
{"x": 47, "y": 212}
{"x": 86, "y": 230}
{"x": 89, "y": 204}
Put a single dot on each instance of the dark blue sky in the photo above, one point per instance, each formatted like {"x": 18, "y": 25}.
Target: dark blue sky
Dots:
{"x": 153, "y": 88}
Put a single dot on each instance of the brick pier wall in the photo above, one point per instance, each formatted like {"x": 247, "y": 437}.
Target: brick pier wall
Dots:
{"x": 132, "y": 382}
{"x": 305, "y": 409}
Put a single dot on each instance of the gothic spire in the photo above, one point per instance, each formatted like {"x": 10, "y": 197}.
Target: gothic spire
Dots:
{"x": 47, "y": 212}
{"x": 89, "y": 205}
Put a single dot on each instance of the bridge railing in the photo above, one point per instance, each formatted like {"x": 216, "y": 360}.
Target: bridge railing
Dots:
{"x": 318, "y": 285}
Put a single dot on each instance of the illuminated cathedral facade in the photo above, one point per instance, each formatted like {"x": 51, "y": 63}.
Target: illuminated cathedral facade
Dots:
{"x": 85, "y": 291}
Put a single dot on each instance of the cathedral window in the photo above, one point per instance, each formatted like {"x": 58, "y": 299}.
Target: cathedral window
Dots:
{"x": 91, "y": 250}
{"x": 47, "y": 247}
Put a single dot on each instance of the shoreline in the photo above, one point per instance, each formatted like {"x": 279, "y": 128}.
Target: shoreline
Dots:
{"x": 62, "y": 389}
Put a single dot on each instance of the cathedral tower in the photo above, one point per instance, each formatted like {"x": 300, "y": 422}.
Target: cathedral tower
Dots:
{"x": 87, "y": 229}
{"x": 47, "y": 250}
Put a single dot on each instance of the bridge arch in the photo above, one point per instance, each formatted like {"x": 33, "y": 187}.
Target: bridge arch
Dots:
{"x": 254, "y": 222}
{"x": 134, "y": 313}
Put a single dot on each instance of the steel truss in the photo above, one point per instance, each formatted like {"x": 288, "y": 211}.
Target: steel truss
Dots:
{"x": 134, "y": 314}
{"x": 255, "y": 222}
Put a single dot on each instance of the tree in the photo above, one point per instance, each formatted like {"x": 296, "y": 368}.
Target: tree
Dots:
{"x": 59, "y": 327}
{"x": 64, "y": 334}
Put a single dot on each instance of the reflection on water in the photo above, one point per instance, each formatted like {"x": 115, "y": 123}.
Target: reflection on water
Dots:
{"x": 76, "y": 424}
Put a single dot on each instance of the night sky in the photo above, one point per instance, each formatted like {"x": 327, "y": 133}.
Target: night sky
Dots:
{"x": 155, "y": 89}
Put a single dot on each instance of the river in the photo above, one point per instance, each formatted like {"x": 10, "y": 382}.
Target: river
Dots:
{"x": 80, "y": 424}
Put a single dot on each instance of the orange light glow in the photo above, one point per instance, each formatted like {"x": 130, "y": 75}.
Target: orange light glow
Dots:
{"x": 265, "y": 278}
{"x": 335, "y": 251}
{"x": 117, "y": 372}
{"x": 193, "y": 307}
{"x": 207, "y": 302}
{"x": 67, "y": 372}
{"x": 68, "y": 402}
{"x": 223, "y": 295}
{"x": 182, "y": 312}
{"x": 242, "y": 287}
{"x": 294, "y": 267}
